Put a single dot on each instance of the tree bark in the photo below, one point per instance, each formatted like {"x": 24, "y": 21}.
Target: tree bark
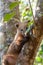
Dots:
{"x": 29, "y": 50}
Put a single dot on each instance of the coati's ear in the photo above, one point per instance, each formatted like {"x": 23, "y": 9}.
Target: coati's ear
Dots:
{"x": 27, "y": 21}
{"x": 17, "y": 25}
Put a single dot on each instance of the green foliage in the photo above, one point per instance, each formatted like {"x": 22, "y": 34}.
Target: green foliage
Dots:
{"x": 8, "y": 16}
{"x": 27, "y": 14}
{"x": 13, "y": 5}
{"x": 39, "y": 57}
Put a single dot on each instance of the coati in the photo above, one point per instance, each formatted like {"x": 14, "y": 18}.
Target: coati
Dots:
{"x": 26, "y": 55}
{"x": 15, "y": 47}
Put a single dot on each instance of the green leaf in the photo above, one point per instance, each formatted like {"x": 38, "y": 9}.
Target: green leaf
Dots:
{"x": 8, "y": 16}
{"x": 12, "y": 5}
{"x": 38, "y": 59}
{"x": 41, "y": 52}
{"x": 30, "y": 13}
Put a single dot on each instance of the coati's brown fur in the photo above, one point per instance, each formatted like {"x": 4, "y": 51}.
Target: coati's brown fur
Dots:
{"x": 15, "y": 47}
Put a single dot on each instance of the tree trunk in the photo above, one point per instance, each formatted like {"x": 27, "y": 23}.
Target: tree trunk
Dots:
{"x": 29, "y": 50}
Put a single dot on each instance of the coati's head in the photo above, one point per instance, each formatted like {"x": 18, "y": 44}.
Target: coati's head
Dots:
{"x": 22, "y": 26}
{"x": 21, "y": 29}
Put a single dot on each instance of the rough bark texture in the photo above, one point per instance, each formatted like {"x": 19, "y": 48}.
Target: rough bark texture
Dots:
{"x": 29, "y": 50}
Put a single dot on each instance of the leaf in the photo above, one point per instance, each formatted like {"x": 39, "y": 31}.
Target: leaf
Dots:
{"x": 13, "y": 4}
{"x": 41, "y": 52}
{"x": 8, "y": 16}
{"x": 38, "y": 59}
{"x": 30, "y": 13}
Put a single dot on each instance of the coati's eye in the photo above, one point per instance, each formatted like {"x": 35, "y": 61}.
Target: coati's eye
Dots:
{"x": 17, "y": 25}
{"x": 21, "y": 29}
